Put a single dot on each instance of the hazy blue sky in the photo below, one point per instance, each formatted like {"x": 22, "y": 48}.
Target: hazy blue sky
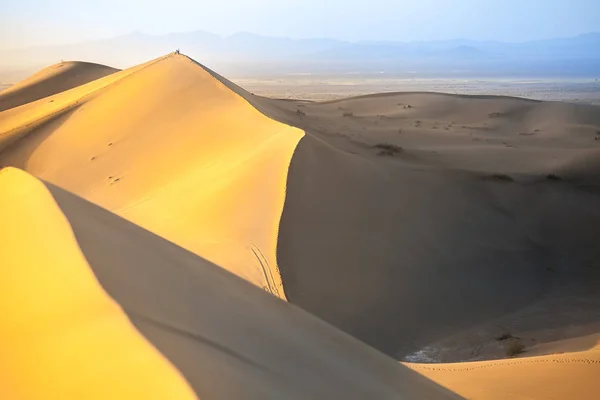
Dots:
{"x": 30, "y": 22}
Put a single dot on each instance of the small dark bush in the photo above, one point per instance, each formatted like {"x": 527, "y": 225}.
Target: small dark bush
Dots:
{"x": 514, "y": 348}
{"x": 348, "y": 114}
{"x": 553, "y": 177}
{"x": 500, "y": 178}
{"x": 300, "y": 113}
{"x": 504, "y": 336}
{"x": 388, "y": 149}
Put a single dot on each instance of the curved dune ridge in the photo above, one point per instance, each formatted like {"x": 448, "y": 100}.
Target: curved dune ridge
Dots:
{"x": 170, "y": 148}
{"x": 63, "y": 338}
{"x": 229, "y": 339}
{"x": 51, "y": 80}
{"x": 419, "y": 223}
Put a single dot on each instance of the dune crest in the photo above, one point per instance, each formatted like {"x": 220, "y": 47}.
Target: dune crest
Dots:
{"x": 51, "y": 80}
{"x": 169, "y": 147}
{"x": 419, "y": 223}
{"x": 62, "y": 336}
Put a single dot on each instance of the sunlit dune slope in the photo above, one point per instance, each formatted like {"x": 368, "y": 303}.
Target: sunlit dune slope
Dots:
{"x": 62, "y": 337}
{"x": 171, "y": 148}
{"x": 51, "y": 80}
{"x": 228, "y": 338}
{"x": 561, "y": 376}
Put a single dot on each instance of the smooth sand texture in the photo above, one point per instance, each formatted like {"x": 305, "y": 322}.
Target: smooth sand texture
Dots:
{"x": 62, "y": 337}
{"x": 170, "y": 148}
{"x": 51, "y": 80}
{"x": 228, "y": 338}
{"x": 564, "y": 376}
{"x": 488, "y": 207}
{"x": 403, "y": 251}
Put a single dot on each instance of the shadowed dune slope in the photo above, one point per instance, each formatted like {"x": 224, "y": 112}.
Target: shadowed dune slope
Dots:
{"x": 228, "y": 338}
{"x": 401, "y": 219}
{"x": 62, "y": 336}
{"x": 51, "y": 80}
{"x": 169, "y": 147}
{"x": 398, "y": 251}
{"x": 404, "y": 250}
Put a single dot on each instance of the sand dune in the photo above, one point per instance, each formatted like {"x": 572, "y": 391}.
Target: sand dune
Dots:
{"x": 228, "y": 338}
{"x": 460, "y": 227}
{"x": 62, "y": 336}
{"x": 51, "y": 80}
{"x": 407, "y": 220}
{"x": 172, "y": 160}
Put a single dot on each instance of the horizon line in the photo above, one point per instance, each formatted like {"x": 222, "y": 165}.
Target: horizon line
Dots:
{"x": 139, "y": 32}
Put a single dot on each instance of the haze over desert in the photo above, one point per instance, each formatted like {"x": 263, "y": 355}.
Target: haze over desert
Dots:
{"x": 170, "y": 231}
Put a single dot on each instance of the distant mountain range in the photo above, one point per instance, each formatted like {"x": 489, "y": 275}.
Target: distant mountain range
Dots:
{"x": 249, "y": 55}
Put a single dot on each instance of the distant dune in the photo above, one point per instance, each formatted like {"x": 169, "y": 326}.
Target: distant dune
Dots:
{"x": 51, "y": 80}
{"x": 438, "y": 226}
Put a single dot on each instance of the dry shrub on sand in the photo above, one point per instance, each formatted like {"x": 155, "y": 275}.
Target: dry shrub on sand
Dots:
{"x": 388, "y": 149}
{"x": 514, "y": 348}
{"x": 504, "y": 336}
{"x": 500, "y": 178}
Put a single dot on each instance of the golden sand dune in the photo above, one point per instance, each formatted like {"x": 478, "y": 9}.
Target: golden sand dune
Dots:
{"x": 51, "y": 80}
{"x": 407, "y": 220}
{"x": 228, "y": 338}
{"x": 170, "y": 148}
{"x": 62, "y": 337}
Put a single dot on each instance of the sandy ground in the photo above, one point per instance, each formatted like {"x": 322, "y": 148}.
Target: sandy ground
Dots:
{"x": 525, "y": 378}
{"x": 412, "y": 221}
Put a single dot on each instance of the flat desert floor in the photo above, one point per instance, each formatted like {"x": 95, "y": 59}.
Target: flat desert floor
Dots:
{"x": 167, "y": 233}
{"x": 323, "y": 88}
